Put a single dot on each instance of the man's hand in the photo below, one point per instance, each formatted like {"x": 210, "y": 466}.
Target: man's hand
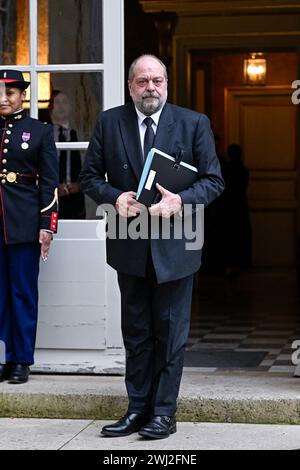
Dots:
{"x": 63, "y": 190}
{"x": 45, "y": 241}
{"x": 127, "y": 205}
{"x": 67, "y": 189}
{"x": 169, "y": 205}
{"x": 73, "y": 188}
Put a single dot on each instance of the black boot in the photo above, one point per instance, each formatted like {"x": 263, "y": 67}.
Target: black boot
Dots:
{"x": 4, "y": 372}
{"x": 19, "y": 374}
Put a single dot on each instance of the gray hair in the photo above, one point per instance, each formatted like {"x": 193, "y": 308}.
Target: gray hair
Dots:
{"x": 134, "y": 63}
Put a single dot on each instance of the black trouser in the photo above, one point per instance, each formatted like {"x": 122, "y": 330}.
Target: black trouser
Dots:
{"x": 155, "y": 327}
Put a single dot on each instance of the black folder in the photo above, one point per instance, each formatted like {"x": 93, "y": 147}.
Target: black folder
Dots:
{"x": 170, "y": 172}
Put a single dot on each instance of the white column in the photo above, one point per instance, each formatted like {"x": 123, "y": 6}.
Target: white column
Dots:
{"x": 113, "y": 27}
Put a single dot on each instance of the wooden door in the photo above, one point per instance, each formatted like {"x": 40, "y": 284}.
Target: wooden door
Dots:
{"x": 263, "y": 121}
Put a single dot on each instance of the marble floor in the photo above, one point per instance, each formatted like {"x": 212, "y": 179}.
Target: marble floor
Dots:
{"x": 258, "y": 312}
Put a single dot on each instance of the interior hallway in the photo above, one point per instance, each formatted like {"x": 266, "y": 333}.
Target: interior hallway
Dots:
{"x": 249, "y": 324}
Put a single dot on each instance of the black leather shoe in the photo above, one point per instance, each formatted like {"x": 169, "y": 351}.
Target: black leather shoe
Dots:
{"x": 4, "y": 372}
{"x": 159, "y": 427}
{"x": 130, "y": 423}
{"x": 19, "y": 374}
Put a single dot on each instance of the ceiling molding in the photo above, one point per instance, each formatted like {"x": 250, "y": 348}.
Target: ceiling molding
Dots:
{"x": 221, "y": 7}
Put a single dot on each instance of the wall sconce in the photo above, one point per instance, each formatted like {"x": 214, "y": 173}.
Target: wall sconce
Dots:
{"x": 44, "y": 84}
{"x": 255, "y": 69}
{"x": 44, "y": 90}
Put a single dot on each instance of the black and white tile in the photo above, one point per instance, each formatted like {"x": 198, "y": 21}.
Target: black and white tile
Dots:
{"x": 260, "y": 313}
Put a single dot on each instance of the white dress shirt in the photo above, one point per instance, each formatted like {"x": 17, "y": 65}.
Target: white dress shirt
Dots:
{"x": 142, "y": 125}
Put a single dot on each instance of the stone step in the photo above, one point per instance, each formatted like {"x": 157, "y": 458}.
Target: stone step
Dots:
{"x": 224, "y": 397}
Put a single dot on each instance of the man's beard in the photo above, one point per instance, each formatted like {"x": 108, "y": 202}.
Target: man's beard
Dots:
{"x": 150, "y": 107}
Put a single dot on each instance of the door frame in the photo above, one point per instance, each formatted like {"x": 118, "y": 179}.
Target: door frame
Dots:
{"x": 182, "y": 72}
{"x": 231, "y": 92}
{"x": 76, "y": 234}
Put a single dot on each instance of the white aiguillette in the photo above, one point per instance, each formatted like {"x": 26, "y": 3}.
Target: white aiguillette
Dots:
{"x": 170, "y": 172}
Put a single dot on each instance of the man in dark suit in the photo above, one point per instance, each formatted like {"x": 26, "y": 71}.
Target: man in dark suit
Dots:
{"x": 155, "y": 275}
{"x": 28, "y": 218}
{"x": 71, "y": 199}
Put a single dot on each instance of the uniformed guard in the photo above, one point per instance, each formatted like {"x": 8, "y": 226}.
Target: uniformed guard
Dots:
{"x": 28, "y": 218}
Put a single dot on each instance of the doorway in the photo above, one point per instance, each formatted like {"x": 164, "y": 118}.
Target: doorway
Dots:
{"x": 249, "y": 321}
{"x": 75, "y": 47}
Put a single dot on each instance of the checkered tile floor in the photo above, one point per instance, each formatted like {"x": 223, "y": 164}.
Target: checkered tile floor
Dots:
{"x": 258, "y": 312}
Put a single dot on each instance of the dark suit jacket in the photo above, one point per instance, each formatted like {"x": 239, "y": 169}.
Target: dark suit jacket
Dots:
{"x": 26, "y": 208}
{"x": 115, "y": 151}
{"x": 71, "y": 206}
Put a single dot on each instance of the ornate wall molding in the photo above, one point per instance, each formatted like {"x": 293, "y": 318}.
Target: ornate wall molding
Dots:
{"x": 221, "y": 7}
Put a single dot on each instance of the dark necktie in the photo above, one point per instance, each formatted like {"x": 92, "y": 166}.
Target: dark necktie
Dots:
{"x": 62, "y": 157}
{"x": 149, "y": 136}
{"x": 61, "y": 134}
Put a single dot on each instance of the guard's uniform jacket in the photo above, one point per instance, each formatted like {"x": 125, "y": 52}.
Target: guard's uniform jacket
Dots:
{"x": 28, "y": 178}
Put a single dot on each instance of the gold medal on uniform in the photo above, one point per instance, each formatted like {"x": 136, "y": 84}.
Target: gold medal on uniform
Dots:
{"x": 25, "y": 138}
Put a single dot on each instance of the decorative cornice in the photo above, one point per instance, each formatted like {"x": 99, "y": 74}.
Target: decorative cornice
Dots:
{"x": 221, "y": 7}
{"x": 239, "y": 34}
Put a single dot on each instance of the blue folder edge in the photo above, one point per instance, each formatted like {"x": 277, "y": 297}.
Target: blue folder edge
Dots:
{"x": 145, "y": 173}
{"x": 148, "y": 164}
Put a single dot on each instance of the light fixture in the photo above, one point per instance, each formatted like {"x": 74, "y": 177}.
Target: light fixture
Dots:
{"x": 255, "y": 69}
{"x": 44, "y": 90}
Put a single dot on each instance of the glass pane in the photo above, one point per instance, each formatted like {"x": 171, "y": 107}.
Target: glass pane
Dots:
{"x": 72, "y": 100}
{"x": 70, "y": 32}
{"x": 14, "y": 32}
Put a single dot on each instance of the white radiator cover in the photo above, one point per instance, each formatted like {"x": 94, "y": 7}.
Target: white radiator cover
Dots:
{"x": 79, "y": 328}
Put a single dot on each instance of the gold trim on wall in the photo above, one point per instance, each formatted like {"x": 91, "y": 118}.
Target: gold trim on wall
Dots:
{"x": 231, "y": 95}
{"x": 204, "y": 8}
{"x": 183, "y": 47}
{"x": 236, "y": 34}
